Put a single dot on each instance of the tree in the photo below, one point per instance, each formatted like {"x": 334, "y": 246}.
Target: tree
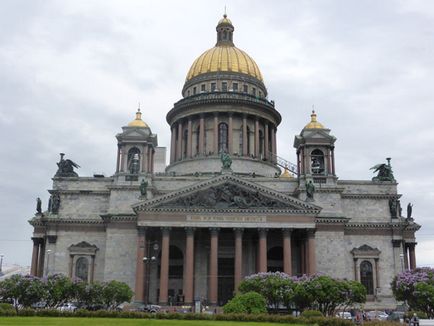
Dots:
{"x": 247, "y": 303}
{"x": 114, "y": 293}
{"x": 22, "y": 290}
{"x": 59, "y": 289}
{"x": 89, "y": 294}
{"x": 416, "y": 288}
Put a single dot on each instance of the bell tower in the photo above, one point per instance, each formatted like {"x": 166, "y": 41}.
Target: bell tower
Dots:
{"x": 315, "y": 153}
{"x": 136, "y": 149}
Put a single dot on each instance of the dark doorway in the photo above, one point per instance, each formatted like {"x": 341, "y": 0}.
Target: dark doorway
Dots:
{"x": 226, "y": 280}
{"x": 275, "y": 259}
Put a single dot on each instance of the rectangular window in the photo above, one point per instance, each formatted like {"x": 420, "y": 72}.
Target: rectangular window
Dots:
{"x": 194, "y": 90}
{"x": 235, "y": 87}
{"x": 254, "y": 91}
{"x": 202, "y": 88}
{"x": 213, "y": 87}
{"x": 188, "y": 93}
{"x": 245, "y": 89}
{"x": 224, "y": 86}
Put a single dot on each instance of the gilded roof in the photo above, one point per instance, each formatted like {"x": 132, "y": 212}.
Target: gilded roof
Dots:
{"x": 314, "y": 124}
{"x": 227, "y": 59}
{"x": 225, "y": 56}
{"x": 138, "y": 122}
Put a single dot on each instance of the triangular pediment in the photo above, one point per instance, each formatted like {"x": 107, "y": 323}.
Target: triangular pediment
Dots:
{"x": 228, "y": 193}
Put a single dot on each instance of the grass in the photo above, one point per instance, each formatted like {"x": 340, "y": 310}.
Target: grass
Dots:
{"x": 120, "y": 321}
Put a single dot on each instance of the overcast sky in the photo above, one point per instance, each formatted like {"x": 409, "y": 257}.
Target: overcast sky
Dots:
{"x": 72, "y": 73}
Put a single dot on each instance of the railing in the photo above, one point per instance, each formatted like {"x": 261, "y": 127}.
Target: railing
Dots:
{"x": 218, "y": 95}
{"x": 283, "y": 163}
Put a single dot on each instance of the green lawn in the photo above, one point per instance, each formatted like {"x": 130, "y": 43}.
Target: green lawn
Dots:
{"x": 119, "y": 321}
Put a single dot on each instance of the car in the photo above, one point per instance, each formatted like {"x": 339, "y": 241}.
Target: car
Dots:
{"x": 344, "y": 315}
{"x": 152, "y": 308}
{"x": 396, "y": 316}
{"x": 376, "y": 315}
{"x": 68, "y": 306}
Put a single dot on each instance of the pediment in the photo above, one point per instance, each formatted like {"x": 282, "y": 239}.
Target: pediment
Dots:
{"x": 365, "y": 251}
{"x": 228, "y": 193}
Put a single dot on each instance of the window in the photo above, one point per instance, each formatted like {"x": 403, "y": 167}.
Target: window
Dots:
{"x": 194, "y": 90}
{"x": 367, "y": 277}
{"x": 235, "y": 87}
{"x": 213, "y": 87}
{"x": 223, "y": 137}
{"x": 202, "y": 88}
{"x": 224, "y": 86}
{"x": 317, "y": 162}
{"x": 254, "y": 91}
{"x": 82, "y": 268}
{"x": 188, "y": 93}
{"x": 245, "y": 88}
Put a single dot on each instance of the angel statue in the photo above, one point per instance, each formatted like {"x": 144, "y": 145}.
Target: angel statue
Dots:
{"x": 66, "y": 168}
{"x": 384, "y": 170}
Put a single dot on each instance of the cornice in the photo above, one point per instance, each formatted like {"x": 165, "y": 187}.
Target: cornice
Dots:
{"x": 80, "y": 192}
{"x": 371, "y": 196}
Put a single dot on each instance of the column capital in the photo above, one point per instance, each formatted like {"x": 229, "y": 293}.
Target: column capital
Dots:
{"x": 311, "y": 233}
{"x": 214, "y": 230}
{"x": 287, "y": 231}
{"x": 165, "y": 230}
{"x": 37, "y": 241}
{"x": 262, "y": 231}
{"x": 189, "y": 230}
{"x": 411, "y": 245}
{"x": 141, "y": 230}
{"x": 238, "y": 230}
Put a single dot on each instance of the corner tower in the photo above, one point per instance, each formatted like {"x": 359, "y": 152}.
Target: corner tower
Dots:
{"x": 315, "y": 153}
{"x": 224, "y": 109}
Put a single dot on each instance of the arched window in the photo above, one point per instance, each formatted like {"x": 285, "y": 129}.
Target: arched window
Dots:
{"x": 223, "y": 137}
{"x": 82, "y": 268}
{"x": 261, "y": 143}
{"x": 317, "y": 162}
{"x": 134, "y": 160}
{"x": 367, "y": 276}
{"x": 185, "y": 140}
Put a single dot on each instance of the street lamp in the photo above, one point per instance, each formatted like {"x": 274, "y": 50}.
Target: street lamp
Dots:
{"x": 148, "y": 260}
{"x": 1, "y": 264}
{"x": 48, "y": 261}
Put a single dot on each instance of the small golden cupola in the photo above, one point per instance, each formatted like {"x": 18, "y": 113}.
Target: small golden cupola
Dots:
{"x": 138, "y": 122}
{"x": 314, "y": 124}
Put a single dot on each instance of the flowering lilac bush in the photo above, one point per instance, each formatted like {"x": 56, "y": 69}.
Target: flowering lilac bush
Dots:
{"x": 318, "y": 292}
{"x": 416, "y": 287}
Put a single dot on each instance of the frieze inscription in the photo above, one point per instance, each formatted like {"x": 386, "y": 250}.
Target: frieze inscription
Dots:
{"x": 206, "y": 218}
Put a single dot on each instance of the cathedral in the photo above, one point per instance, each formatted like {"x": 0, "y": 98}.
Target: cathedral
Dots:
{"x": 227, "y": 206}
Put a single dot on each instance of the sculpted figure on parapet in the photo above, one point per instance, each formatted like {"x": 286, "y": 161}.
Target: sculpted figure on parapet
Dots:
{"x": 384, "y": 170}
{"x": 66, "y": 168}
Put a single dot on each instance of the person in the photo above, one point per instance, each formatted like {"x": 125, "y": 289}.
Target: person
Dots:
{"x": 414, "y": 321}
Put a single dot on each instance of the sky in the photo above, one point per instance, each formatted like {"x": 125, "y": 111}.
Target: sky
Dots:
{"x": 73, "y": 72}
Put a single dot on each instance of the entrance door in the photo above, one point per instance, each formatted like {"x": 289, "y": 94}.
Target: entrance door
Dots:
{"x": 226, "y": 280}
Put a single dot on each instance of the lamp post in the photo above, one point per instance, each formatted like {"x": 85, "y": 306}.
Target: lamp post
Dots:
{"x": 1, "y": 264}
{"x": 48, "y": 261}
{"x": 148, "y": 260}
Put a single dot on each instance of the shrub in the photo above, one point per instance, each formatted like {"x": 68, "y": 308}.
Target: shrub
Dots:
{"x": 311, "y": 313}
{"x": 248, "y": 303}
{"x": 7, "y": 309}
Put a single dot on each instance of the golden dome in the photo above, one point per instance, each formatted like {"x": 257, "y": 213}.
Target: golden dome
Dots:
{"x": 224, "y": 56}
{"x": 225, "y": 20}
{"x": 313, "y": 124}
{"x": 138, "y": 122}
{"x": 286, "y": 174}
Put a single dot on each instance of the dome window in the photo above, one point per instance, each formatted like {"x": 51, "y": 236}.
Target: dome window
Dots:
{"x": 213, "y": 87}
{"x": 202, "y": 88}
{"x": 194, "y": 90}
{"x": 245, "y": 89}
{"x": 254, "y": 91}
{"x": 235, "y": 87}
{"x": 224, "y": 86}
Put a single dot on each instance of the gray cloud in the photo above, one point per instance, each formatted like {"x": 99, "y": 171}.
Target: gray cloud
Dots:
{"x": 71, "y": 74}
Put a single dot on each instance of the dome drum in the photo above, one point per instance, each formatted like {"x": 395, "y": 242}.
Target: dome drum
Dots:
{"x": 210, "y": 82}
